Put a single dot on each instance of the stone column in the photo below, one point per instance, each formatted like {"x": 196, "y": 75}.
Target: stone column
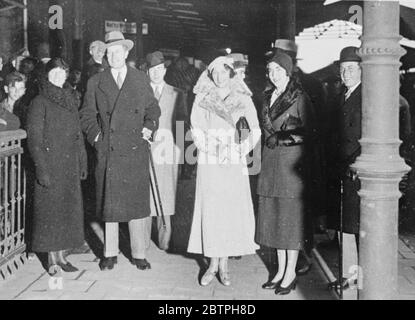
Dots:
{"x": 380, "y": 168}
{"x": 287, "y": 16}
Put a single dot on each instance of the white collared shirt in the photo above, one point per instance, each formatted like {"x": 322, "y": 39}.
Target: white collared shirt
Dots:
{"x": 350, "y": 91}
{"x": 275, "y": 95}
{"x": 115, "y": 72}
{"x": 278, "y": 91}
{"x": 159, "y": 86}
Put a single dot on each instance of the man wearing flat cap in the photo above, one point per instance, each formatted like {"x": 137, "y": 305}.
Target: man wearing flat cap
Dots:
{"x": 118, "y": 116}
{"x": 166, "y": 153}
{"x": 349, "y": 133}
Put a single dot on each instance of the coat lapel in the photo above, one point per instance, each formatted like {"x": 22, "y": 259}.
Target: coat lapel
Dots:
{"x": 353, "y": 101}
{"x": 108, "y": 86}
{"x": 126, "y": 90}
{"x": 166, "y": 94}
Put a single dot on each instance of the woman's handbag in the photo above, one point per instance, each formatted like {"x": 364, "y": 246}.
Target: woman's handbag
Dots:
{"x": 242, "y": 130}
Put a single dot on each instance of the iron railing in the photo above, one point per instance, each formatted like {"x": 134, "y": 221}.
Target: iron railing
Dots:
{"x": 12, "y": 203}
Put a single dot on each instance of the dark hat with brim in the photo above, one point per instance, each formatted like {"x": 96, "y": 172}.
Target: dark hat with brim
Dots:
{"x": 349, "y": 54}
{"x": 156, "y": 58}
{"x": 114, "y": 38}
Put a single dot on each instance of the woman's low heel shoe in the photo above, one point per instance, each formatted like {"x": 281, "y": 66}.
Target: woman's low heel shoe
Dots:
{"x": 283, "y": 291}
{"x": 207, "y": 278}
{"x": 67, "y": 267}
{"x": 54, "y": 270}
{"x": 225, "y": 278}
{"x": 271, "y": 285}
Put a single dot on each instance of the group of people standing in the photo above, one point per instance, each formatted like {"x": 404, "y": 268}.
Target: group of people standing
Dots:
{"x": 128, "y": 116}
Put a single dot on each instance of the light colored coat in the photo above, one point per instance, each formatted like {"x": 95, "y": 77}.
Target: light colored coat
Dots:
{"x": 223, "y": 219}
{"x": 166, "y": 154}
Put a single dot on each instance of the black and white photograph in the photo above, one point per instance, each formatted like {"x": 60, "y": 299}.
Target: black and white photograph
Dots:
{"x": 213, "y": 153}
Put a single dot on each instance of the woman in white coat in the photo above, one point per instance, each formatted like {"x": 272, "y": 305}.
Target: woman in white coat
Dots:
{"x": 223, "y": 220}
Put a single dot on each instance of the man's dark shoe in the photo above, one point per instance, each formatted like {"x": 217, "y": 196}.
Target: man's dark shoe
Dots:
{"x": 141, "y": 264}
{"x": 67, "y": 267}
{"x": 346, "y": 284}
{"x": 107, "y": 263}
{"x": 303, "y": 270}
{"x": 235, "y": 257}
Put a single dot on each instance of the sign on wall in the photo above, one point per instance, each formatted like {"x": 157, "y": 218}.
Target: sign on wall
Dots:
{"x": 124, "y": 27}
{"x": 145, "y": 28}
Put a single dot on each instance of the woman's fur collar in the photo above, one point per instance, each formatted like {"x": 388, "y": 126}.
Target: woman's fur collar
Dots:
{"x": 63, "y": 97}
{"x": 282, "y": 104}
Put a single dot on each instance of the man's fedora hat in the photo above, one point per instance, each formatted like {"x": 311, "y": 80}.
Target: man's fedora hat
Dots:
{"x": 114, "y": 38}
{"x": 285, "y": 44}
{"x": 349, "y": 54}
{"x": 155, "y": 58}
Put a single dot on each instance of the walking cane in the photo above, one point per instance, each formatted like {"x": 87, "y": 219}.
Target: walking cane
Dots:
{"x": 338, "y": 285}
{"x": 341, "y": 242}
{"x": 157, "y": 189}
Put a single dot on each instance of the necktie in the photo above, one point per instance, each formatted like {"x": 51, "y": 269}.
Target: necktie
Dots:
{"x": 119, "y": 80}
{"x": 347, "y": 95}
{"x": 157, "y": 93}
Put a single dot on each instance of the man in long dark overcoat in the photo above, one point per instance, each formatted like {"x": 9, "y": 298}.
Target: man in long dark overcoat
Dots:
{"x": 119, "y": 114}
{"x": 349, "y": 133}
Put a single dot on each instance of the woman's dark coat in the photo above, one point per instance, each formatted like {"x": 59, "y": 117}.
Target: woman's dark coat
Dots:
{"x": 119, "y": 116}
{"x": 285, "y": 169}
{"x": 56, "y": 145}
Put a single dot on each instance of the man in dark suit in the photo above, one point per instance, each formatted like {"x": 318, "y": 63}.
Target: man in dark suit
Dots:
{"x": 349, "y": 133}
{"x": 119, "y": 114}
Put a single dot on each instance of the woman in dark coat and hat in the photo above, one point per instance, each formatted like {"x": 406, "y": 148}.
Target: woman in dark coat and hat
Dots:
{"x": 56, "y": 145}
{"x": 287, "y": 121}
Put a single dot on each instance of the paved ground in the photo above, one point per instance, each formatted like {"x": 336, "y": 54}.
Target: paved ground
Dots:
{"x": 171, "y": 277}
{"x": 406, "y": 268}
{"x": 175, "y": 276}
